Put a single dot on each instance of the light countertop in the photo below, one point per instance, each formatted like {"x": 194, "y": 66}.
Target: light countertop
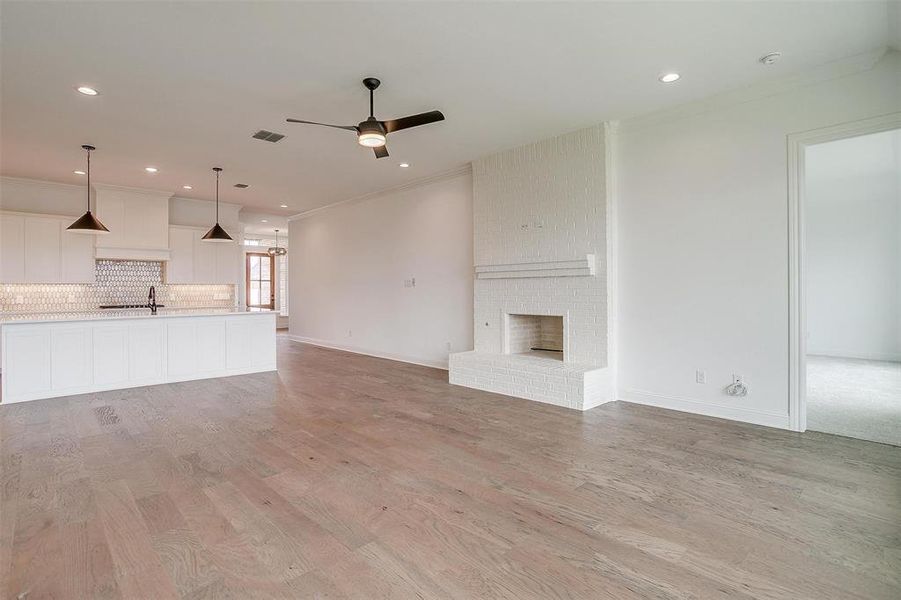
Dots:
{"x": 130, "y": 313}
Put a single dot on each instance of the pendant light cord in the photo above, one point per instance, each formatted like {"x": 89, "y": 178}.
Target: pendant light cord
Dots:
{"x": 89, "y": 181}
{"x": 217, "y": 197}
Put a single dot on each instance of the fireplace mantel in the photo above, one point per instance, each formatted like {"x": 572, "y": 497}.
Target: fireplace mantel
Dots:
{"x": 579, "y": 267}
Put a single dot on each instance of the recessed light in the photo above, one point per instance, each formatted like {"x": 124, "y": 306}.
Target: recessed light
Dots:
{"x": 151, "y": 169}
{"x": 78, "y": 172}
{"x": 403, "y": 165}
{"x": 771, "y": 58}
{"x": 187, "y": 187}
{"x": 669, "y": 77}
{"x": 283, "y": 205}
{"x": 87, "y": 91}
{"x": 264, "y": 221}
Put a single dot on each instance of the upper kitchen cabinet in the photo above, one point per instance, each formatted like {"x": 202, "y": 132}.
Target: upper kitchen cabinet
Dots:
{"x": 38, "y": 249}
{"x": 193, "y": 260}
{"x": 12, "y": 248}
{"x": 138, "y": 221}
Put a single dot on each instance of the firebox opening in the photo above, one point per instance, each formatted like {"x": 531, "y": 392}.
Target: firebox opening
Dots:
{"x": 535, "y": 335}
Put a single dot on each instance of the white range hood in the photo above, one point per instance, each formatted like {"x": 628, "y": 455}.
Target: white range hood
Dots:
{"x": 138, "y": 221}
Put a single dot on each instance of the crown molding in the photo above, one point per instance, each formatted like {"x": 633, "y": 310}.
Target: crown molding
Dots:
{"x": 132, "y": 190}
{"x": 444, "y": 175}
{"x": 44, "y": 183}
{"x": 758, "y": 91}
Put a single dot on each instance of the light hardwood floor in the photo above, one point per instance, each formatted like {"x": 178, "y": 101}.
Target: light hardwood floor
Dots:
{"x": 349, "y": 476}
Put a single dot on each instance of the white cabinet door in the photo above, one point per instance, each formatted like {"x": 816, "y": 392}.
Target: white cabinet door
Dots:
{"x": 262, "y": 342}
{"x": 227, "y": 266}
{"x": 27, "y": 361}
{"x": 204, "y": 259}
{"x": 77, "y": 256}
{"x": 238, "y": 350}
{"x": 181, "y": 348}
{"x": 180, "y": 268}
{"x": 145, "y": 351}
{"x": 70, "y": 356}
{"x": 111, "y": 212}
{"x": 110, "y": 354}
{"x": 210, "y": 345}
{"x": 42, "y": 250}
{"x": 12, "y": 249}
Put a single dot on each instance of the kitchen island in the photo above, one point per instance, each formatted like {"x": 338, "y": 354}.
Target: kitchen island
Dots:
{"x": 60, "y": 354}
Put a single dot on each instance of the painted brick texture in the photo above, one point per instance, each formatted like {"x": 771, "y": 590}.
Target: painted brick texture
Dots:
{"x": 541, "y": 202}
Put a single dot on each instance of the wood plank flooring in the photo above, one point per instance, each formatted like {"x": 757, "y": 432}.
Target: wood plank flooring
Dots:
{"x": 344, "y": 476}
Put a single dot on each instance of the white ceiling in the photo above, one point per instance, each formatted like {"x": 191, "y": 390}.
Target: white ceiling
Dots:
{"x": 185, "y": 84}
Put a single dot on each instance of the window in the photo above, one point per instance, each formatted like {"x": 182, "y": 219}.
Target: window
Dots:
{"x": 260, "y": 280}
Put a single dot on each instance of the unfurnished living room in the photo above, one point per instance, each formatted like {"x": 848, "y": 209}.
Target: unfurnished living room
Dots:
{"x": 450, "y": 300}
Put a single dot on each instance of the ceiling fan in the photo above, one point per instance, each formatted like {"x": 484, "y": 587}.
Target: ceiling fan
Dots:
{"x": 372, "y": 132}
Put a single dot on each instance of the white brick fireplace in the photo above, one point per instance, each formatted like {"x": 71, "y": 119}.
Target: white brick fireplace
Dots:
{"x": 541, "y": 277}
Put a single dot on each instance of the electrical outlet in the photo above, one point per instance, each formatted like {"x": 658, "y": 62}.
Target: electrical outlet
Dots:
{"x": 350, "y": 333}
{"x": 736, "y": 378}
{"x": 701, "y": 376}
{"x": 448, "y": 346}
{"x": 408, "y": 283}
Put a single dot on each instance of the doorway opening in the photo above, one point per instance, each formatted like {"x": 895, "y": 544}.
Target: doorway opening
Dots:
{"x": 849, "y": 283}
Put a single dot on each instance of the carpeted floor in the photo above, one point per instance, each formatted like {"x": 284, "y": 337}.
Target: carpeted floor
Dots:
{"x": 855, "y": 398}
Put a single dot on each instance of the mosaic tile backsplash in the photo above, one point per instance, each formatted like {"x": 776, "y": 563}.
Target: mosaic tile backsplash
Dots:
{"x": 117, "y": 282}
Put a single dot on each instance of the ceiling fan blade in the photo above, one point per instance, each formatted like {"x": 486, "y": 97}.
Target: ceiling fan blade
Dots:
{"x": 380, "y": 151}
{"x": 412, "y": 121}
{"x": 348, "y": 127}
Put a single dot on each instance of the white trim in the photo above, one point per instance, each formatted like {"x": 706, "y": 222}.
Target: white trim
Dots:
{"x": 764, "y": 89}
{"x": 133, "y": 190}
{"x": 700, "y": 407}
{"x": 458, "y": 172}
{"x": 41, "y": 183}
{"x": 577, "y": 267}
{"x": 851, "y": 354}
{"x": 611, "y": 153}
{"x": 797, "y": 321}
{"x": 435, "y": 364}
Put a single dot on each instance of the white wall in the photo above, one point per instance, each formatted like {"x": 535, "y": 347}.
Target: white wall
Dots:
{"x": 703, "y": 239}
{"x": 853, "y": 229}
{"x": 349, "y": 263}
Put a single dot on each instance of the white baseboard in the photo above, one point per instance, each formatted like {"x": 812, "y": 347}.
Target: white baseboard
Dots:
{"x": 882, "y": 357}
{"x": 435, "y": 364}
{"x": 689, "y": 405}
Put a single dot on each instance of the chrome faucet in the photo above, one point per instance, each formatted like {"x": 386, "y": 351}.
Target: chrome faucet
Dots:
{"x": 151, "y": 300}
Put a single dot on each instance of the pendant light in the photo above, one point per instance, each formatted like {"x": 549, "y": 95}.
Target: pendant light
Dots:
{"x": 216, "y": 233}
{"x": 88, "y": 223}
{"x": 277, "y": 250}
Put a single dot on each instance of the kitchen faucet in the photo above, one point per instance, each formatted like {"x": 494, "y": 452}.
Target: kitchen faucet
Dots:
{"x": 151, "y": 300}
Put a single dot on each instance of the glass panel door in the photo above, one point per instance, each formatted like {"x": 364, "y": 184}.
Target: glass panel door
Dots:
{"x": 260, "y": 278}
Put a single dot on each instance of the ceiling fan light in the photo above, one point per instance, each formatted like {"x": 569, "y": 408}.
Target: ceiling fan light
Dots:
{"x": 371, "y": 139}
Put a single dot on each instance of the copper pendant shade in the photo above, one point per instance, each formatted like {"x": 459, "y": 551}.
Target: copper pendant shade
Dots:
{"x": 88, "y": 223}
{"x": 216, "y": 233}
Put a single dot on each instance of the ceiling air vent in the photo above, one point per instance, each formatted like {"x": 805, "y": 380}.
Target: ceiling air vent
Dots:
{"x": 267, "y": 136}
{"x": 241, "y": 185}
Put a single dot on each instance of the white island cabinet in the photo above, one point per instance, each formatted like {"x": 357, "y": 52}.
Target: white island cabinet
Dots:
{"x": 60, "y": 355}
